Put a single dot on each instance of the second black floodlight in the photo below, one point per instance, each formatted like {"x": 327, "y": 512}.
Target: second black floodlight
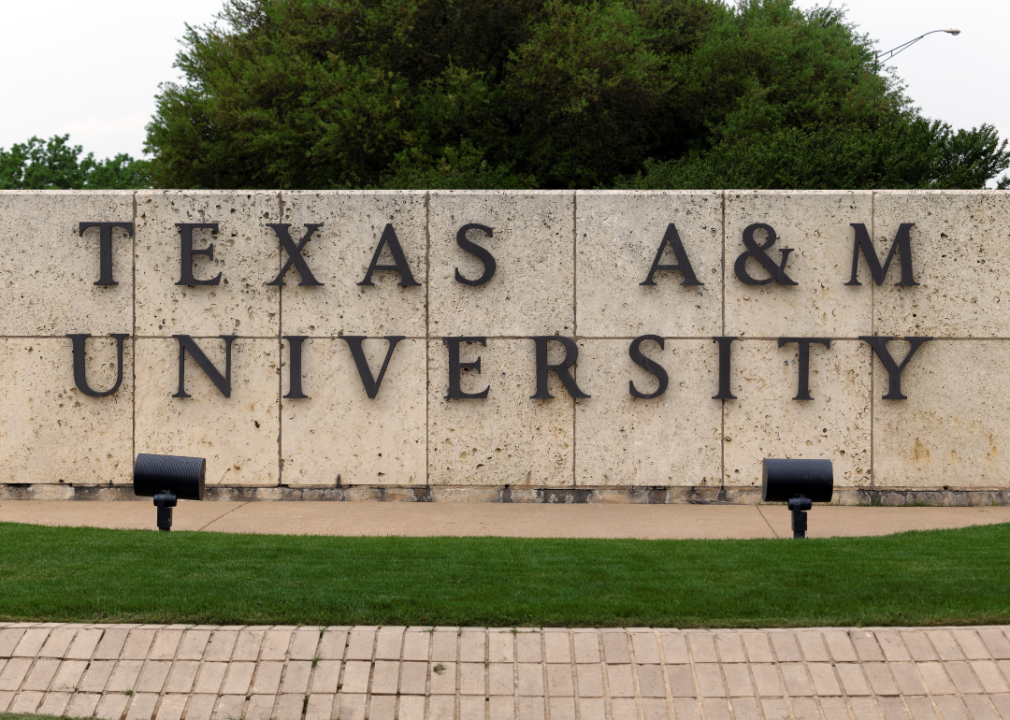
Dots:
{"x": 168, "y": 479}
{"x": 799, "y": 484}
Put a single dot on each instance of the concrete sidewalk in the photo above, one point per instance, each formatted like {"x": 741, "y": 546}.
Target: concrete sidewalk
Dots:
{"x": 502, "y": 519}
{"x": 178, "y": 672}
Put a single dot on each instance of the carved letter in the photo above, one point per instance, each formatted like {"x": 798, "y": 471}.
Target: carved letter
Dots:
{"x": 486, "y": 258}
{"x": 399, "y": 265}
{"x": 186, "y": 233}
{"x": 648, "y": 365}
{"x": 295, "y": 254}
{"x": 775, "y": 272}
{"x": 455, "y": 392}
{"x": 105, "y": 247}
{"x": 902, "y": 241}
{"x": 371, "y": 384}
{"x": 879, "y": 345}
{"x": 80, "y": 364}
{"x": 221, "y": 382}
{"x": 295, "y": 364}
{"x": 803, "y": 391}
{"x": 560, "y": 369}
{"x": 683, "y": 266}
{"x": 724, "y": 359}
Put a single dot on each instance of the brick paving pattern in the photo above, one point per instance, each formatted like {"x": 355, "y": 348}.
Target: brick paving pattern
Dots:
{"x": 180, "y": 672}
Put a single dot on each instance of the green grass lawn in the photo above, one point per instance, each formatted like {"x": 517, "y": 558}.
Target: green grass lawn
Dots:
{"x": 91, "y": 575}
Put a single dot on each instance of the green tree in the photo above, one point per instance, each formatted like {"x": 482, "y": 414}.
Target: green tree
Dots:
{"x": 917, "y": 154}
{"x": 55, "y": 164}
{"x": 549, "y": 94}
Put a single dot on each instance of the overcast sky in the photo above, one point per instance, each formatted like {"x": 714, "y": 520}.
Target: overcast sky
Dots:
{"x": 952, "y": 78}
{"x": 92, "y": 69}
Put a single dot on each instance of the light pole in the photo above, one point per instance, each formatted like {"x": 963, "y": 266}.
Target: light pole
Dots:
{"x": 891, "y": 53}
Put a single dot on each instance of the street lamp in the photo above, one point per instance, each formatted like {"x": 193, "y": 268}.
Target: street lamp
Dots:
{"x": 891, "y": 53}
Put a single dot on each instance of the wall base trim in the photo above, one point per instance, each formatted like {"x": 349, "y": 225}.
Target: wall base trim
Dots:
{"x": 698, "y": 495}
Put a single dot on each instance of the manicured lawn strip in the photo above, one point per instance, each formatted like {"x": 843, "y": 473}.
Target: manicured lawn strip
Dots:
{"x": 93, "y": 575}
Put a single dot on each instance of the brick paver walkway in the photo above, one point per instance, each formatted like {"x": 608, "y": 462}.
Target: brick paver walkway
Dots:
{"x": 137, "y": 672}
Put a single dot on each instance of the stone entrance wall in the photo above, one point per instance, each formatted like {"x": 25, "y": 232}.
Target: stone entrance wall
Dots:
{"x": 567, "y": 264}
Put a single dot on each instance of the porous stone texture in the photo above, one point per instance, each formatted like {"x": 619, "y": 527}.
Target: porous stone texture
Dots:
{"x": 246, "y": 253}
{"x": 507, "y": 438}
{"x": 951, "y": 432}
{"x": 568, "y": 264}
{"x": 338, "y": 435}
{"x": 619, "y": 234}
{"x": 765, "y": 422}
{"x": 816, "y": 225}
{"x": 50, "y": 430}
{"x": 48, "y": 269}
{"x": 670, "y": 440}
{"x": 961, "y": 259}
{"x": 339, "y": 255}
{"x": 238, "y": 435}
{"x": 532, "y": 291}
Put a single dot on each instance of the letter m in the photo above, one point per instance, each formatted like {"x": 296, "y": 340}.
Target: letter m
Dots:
{"x": 901, "y": 243}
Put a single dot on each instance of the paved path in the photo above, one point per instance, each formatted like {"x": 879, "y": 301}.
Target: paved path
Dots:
{"x": 502, "y": 519}
{"x": 176, "y": 672}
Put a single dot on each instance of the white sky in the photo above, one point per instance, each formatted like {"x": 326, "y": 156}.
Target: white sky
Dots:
{"x": 953, "y": 78}
{"x": 92, "y": 68}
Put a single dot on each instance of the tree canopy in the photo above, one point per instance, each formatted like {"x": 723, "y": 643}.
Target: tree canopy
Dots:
{"x": 54, "y": 164}
{"x": 547, "y": 94}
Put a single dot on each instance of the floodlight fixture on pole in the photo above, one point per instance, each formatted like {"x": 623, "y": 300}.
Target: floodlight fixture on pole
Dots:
{"x": 799, "y": 484}
{"x": 894, "y": 51}
{"x": 168, "y": 479}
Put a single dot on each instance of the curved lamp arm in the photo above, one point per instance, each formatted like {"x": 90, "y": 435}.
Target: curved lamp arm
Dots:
{"x": 894, "y": 51}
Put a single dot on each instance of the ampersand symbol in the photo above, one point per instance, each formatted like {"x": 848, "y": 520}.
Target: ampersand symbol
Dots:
{"x": 777, "y": 272}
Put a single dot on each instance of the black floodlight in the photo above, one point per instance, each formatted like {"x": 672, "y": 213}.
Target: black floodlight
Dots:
{"x": 168, "y": 478}
{"x": 799, "y": 484}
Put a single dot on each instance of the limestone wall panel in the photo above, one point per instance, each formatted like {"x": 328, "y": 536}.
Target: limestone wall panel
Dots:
{"x": 48, "y": 269}
{"x": 532, "y": 291}
{"x": 339, "y": 434}
{"x": 619, "y": 234}
{"x": 673, "y": 439}
{"x": 952, "y": 430}
{"x": 507, "y": 438}
{"x": 246, "y": 254}
{"x": 817, "y": 226}
{"x": 339, "y": 255}
{"x": 50, "y": 432}
{"x": 238, "y": 435}
{"x": 766, "y": 422}
{"x": 961, "y": 257}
